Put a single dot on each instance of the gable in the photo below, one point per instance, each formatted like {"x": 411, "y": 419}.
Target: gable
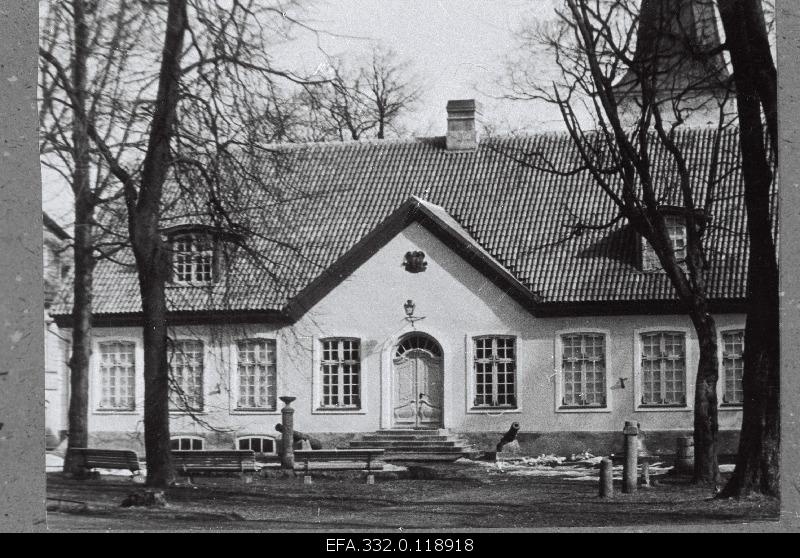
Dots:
{"x": 439, "y": 224}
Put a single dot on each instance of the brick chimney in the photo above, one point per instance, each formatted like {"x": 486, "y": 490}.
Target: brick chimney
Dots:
{"x": 461, "y": 135}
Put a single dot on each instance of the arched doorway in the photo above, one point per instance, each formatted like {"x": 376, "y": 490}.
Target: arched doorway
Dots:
{"x": 418, "y": 382}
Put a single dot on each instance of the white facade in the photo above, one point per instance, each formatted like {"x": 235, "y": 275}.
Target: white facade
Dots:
{"x": 458, "y": 304}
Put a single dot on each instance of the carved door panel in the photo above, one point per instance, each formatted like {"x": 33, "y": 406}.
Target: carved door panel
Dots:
{"x": 429, "y": 387}
{"x": 418, "y": 384}
{"x": 405, "y": 400}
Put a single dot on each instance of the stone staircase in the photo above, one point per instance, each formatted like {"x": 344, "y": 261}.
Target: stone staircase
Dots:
{"x": 416, "y": 444}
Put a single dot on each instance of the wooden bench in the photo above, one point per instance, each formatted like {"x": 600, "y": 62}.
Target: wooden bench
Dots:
{"x": 92, "y": 458}
{"x": 339, "y": 459}
{"x": 209, "y": 462}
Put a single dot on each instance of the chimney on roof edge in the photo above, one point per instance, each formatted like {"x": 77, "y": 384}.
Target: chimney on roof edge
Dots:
{"x": 461, "y": 134}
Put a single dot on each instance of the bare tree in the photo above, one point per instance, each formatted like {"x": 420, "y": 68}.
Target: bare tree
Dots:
{"x": 747, "y": 40}
{"x": 363, "y": 98}
{"x": 205, "y": 110}
{"x": 624, "y": 97}
{"x": 73, "y": 33}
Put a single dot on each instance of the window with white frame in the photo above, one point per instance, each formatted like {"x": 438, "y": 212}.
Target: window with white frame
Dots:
{"x": 256, "y": 374}
{"x": 193, "y": 258}
{"x": 583, "y": 370}
{"x": 676, "y": 231}
{"x": 341, "y": 374}
{"x": 495, "y": 364}
{"x": 117, "y": 376}
{"x": 733, "y": 367}
{"x": 186, "y": 376}
{"x": 259, "y": 444}
{"x": 186, "y": 443}
{"x": 663, "y": 369}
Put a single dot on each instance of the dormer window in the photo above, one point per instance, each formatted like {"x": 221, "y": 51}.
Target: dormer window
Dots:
{"x": 199, "y": 253}
{"x": 193, "y": 258}
{"x": 676, "y": 230}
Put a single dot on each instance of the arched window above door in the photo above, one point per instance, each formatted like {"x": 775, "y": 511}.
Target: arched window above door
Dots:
{"x": 418, "y": 342}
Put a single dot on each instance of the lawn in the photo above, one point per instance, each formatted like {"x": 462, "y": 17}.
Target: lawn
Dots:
{"x": 439, "y": 497}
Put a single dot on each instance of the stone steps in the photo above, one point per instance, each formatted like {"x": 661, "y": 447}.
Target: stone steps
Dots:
{"x": 416, "y": 444}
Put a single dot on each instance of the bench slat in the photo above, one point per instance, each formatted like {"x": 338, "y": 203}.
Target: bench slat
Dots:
{"x": 358, "y": 458}
{"x": 207, "y": 461}
{"x": 108, "y": 459}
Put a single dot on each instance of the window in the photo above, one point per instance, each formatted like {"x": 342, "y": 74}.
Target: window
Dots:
{"x": 186, "y": 376}
{"x": 663, "y": 369}
{"x": 341, "y": 373}
{"x": 676, "y": 230}
{"x": 259, "y": 444}
{"x": 256, "y": 373}
{"x": 193, "y": 258}
{"x": 495, "y": 367}
{"x": 733, "y": 367}
{"x": 583, "y": 370}
{"x": 186, "y": 443}
{"x": 117, "y": 375}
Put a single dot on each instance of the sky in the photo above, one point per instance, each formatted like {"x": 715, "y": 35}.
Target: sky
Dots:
{"x": 457, "y": 49}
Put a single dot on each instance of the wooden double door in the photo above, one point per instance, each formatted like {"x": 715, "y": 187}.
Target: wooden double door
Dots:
{"x": 418, "y": 383}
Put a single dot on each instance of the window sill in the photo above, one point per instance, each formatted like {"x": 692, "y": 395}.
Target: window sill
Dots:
{"x": 255, "y": 412}
{"x": 584, "y": 409}
{"x": 334, "y": 411}
{"x": 115, "y": 412}
{"x": 663, "y": 408}
{"x": 494, "y": 411}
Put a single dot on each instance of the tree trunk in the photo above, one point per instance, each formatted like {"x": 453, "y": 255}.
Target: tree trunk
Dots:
{"x": 757, "y": 461}
{"x": 706, "y": 425}
{"x": 152, "y": 259}
{"x": 156, "y": 383}
{"x": 78, "y": 414}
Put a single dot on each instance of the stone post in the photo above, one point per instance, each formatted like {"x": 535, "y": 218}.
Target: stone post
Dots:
{"x": 646, "y": 474}
{"x": 631, "y": 431}
{"x": 287, "y": 439}
{"x": 606, "y": 478}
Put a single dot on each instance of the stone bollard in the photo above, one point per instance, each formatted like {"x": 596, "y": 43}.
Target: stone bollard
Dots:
{"x": 307, "y": 479}
{"x": 684, "y": 455}
{"x": 370, "y": 479}
{"x": 606, "y": 478}
{"x": 631, "y": 431}
{"x": 287, "y": 455}
{"x": 646, "y": 474}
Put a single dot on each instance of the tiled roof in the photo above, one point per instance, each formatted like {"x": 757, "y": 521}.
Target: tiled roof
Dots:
{"x": 331, "y": 195}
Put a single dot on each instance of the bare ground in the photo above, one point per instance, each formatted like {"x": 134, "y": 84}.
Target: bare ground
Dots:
{"x": 440, "y": 497}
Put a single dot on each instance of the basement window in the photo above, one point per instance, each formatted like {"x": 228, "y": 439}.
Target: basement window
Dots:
{"x": 186, "y": 443}
{"x": 262, "y": 445}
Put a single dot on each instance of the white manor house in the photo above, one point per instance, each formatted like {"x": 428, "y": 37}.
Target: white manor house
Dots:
{"x": 434, "y": 283}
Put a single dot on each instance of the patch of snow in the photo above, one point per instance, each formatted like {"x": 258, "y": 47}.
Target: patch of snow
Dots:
{"x": 53, "y": 463}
